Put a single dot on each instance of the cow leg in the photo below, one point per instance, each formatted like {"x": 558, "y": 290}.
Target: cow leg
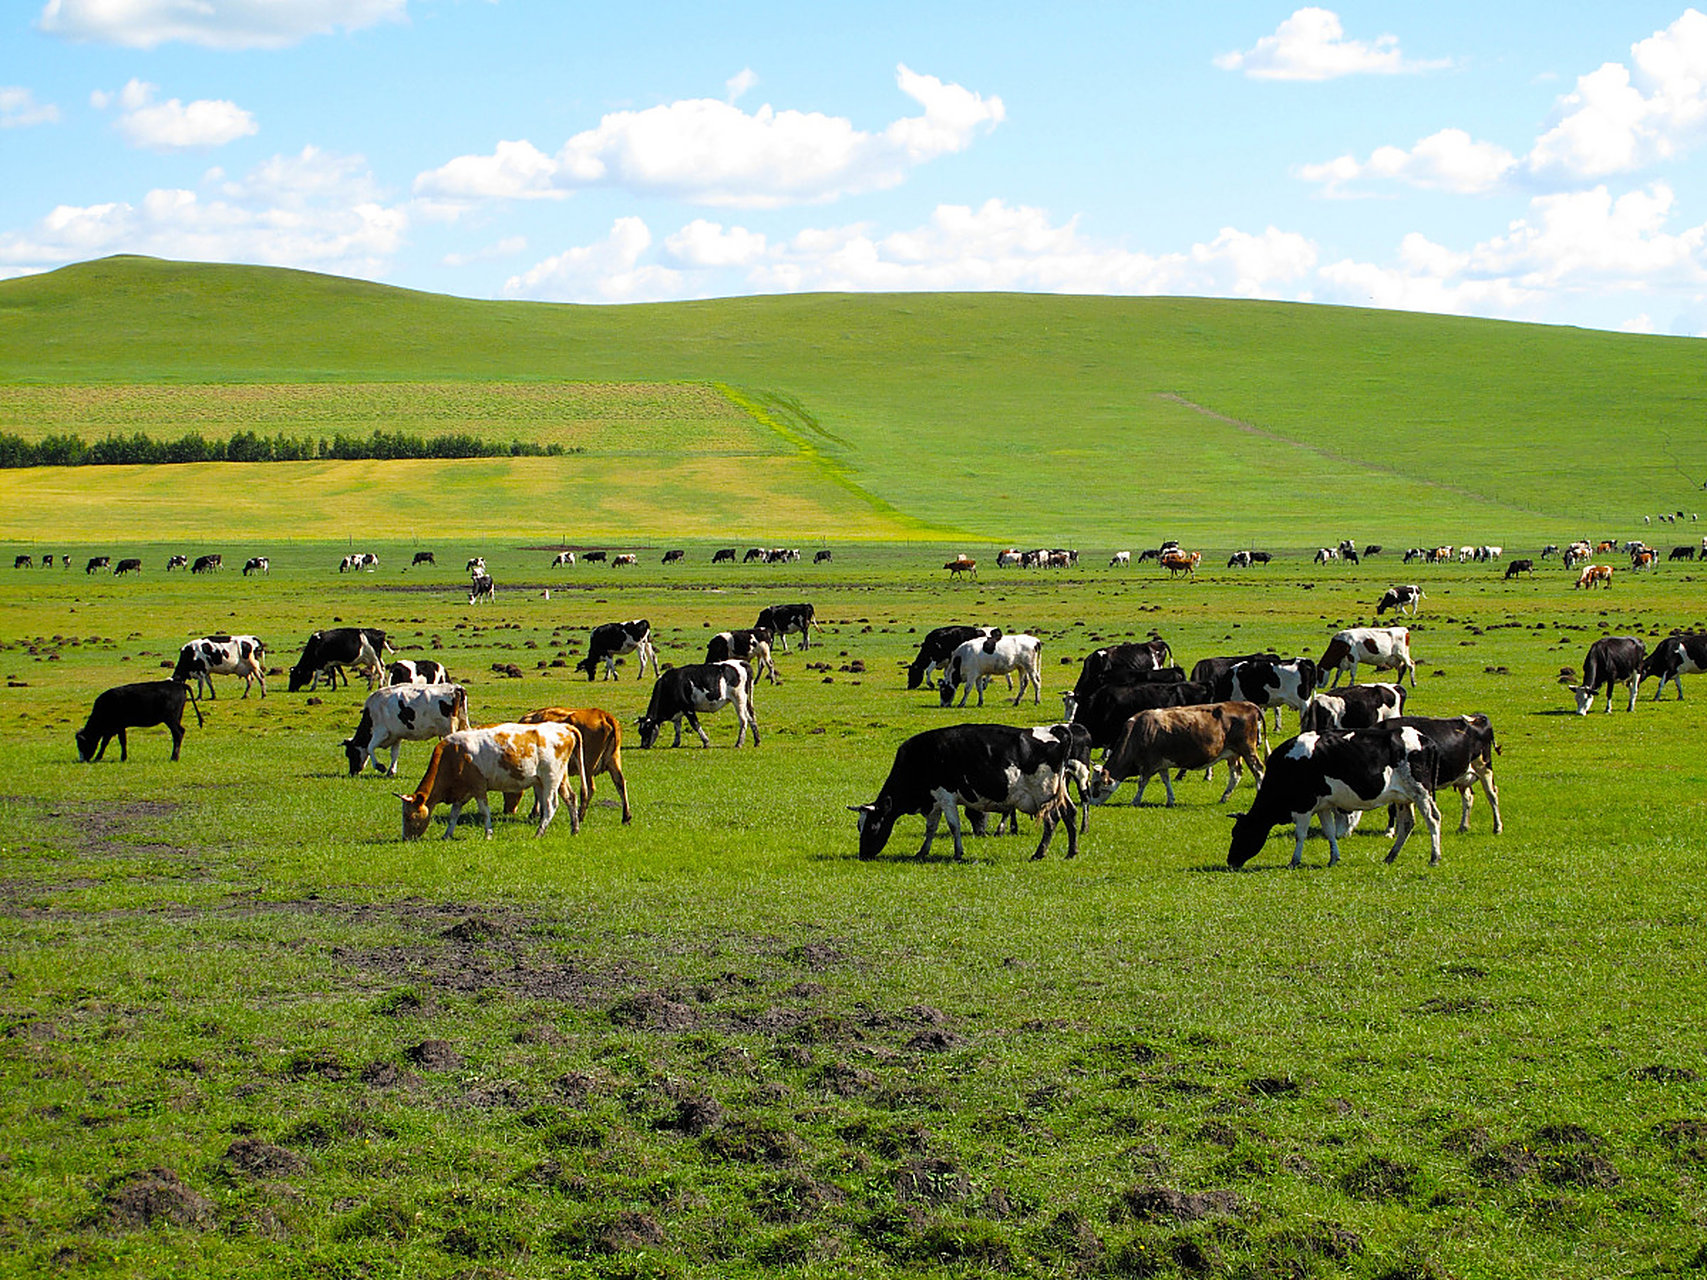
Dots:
{"x": 1492, "y": 792}
{"x": 485, "y": 807}
{"x": 455, "y": 813}
{"x": 1144, "y": 781}
{"x": 1168, "y": 784}
{"x": 1633, "y": 681}
{"x": 693, "y": 723}
{"x": 1466, "y": 793}
{"x": 931, "y": 819}
{"x": 396, "y": 751}
{"x": 1431, "y": 820}
{"x": 951, "y": 814}
{"x": 753, "y": 723}
{"x": 177, "y": 731}
{"x": 1403, "y": 825}
{"x": 512, "y": 802}
{"x": 1234, "y": 772}
{"x": 544, "y": 802}
{"x": 614, "y": 768}
{"x": 1301, "y": 828}
{"x": 677, "y": 721}
{"x": 124, "y": 747}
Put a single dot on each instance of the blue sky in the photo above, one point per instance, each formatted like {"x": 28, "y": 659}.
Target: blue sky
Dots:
{"x": 1529, "y": 161}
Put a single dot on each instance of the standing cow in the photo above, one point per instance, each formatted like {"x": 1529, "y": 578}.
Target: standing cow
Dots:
{"x": 134, "y": 706}
{"x": 977, "y": 662}
{"x": 612, "y": 640}
{"x": 683, "y": 692}
{"x": 1610, "y": 660}
{"x": 222, "y": 655}
{"x": 780, "y": 619}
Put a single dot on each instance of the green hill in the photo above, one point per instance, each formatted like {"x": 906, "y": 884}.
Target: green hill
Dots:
{"x": 1003, "y": 417}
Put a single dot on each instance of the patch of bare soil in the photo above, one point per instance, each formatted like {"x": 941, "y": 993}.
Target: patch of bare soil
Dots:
{"x": 1165, "y": 1204}
{"x": 145, "y": 1196}
{"x": 260, "y": 1159}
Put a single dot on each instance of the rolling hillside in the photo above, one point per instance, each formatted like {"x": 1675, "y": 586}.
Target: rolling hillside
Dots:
{"x": 986, "y": 416}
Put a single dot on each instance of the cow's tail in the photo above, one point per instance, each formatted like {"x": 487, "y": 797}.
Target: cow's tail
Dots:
{"x": 459, "y": 708}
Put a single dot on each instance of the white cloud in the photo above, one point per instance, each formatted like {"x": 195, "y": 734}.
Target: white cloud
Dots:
{"x": 607, "y": 270}
{"x": 1450, "y": 160}
{"x": 175, "y": 125}
{"x": 1311, "y": 45}
{"x": 709, "y": 244}
{"x": 19, "y": 109}
{"x": 1642, "y": 323}
{"x": 213, "y": 24}
{"x": 737, "y": 85}
{"x": 714, "y": 153}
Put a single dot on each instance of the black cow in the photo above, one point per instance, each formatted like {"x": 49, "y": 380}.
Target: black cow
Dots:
{"x": 594, "y": 557}
{"x": 1682, "y": 553}
{"x": 423, "y": 557}
{"x": 1107, "y": 710}
{"x": 723, "y": 555}
{"x": 1120, "y": 664}
{"x": 1610, "y": 660}
{"x": 129, "y": 565}
{"x": 754, "y": 553}
{"x": 1071, "y": 699}
{"x": 1683, "y": 653}
{"x": 938, "y": 647}
{"x": 1329, "y": 773}
{"x": 670, "y": 557}
{"x": 989, "y": 768}
{"x": 751, "y": 645}
{"x": 823, "y": 557}
{"x": 611, "y": 640}
{"x": 26, "y": 562}
{"x": 1519, "y": 566}
{"x": 1358, "y": 706}
{"x": 1373, "y": 549}
{"x": 134, "y": 706}
{"x": 208, "y": 564}
{"x": 686, "y": 691}
{"x": 416, "y": 671}
{"x": 98, "y": 562}
{"x": 780, "y": 619}
{"x": 1212, "y": 670}
{"x": 328, "y": 652}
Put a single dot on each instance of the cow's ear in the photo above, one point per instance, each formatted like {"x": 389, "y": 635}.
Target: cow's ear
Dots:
{"x": 1235, "y": 816}
{"x": 401, "y": 796}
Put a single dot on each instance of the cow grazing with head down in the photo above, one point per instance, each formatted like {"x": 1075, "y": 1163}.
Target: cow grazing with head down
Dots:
{"x": 469, "y": 763}
{"x": 257, "y": 564}
{"x": 177, "y": 562}
{"x": 976, "y": 662}
{"x": 601, "y": 750}
{"x": 1681, "y": 553}
{"x": 684, "y": 692}
{"x": 626, "y": 558}
{"x": 821, "y": 557}
{"x": 938, "y": 647}
{"x": 563, "y": 560}
{"x": 1183, "y": 738}
{"x": 673, "y": 555}
{"x": 986, "y": 768}
{"x": 1610, "y": 660}
{"x": 416, "y": 671}
{"x": 98, "y": 562}
{"x": 1401, "y": 599}
{"x": 1327, "y": 774}
{"x": 780, "y": 619}
{"x": 24, "y": 562}
{"x": 328, "y": 652}
{"x": 1357, "y": 706}
{"x": 612, "y": 640}
{"x": 723, "y": 555}
{"x": 423, "y": 557}
{"x": 403, "y": 713}
{"x": 1683, "y": 653}
{"x": 751, "y": 645}
{"x": 1519, "y": 566}
{"x": 1383, "y": 648}
{"x": 209, "y": 563}
{"x": 222, "y": 655}
{"x": 134, "y": 706}
{"x": 129, "y": 565}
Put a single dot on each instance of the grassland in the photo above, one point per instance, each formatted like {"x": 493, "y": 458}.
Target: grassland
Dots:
{"x": 249, "y": 1031}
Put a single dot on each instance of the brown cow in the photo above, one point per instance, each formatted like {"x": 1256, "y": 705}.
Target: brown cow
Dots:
{"x": 471, "y": 762}
{"x": 1596, "y": 575}
{"x": 1183, "y": 738}
{"x": 1178, "y": 562}
{"x": 960, "y": 565}
{"x": 601, "y": 745}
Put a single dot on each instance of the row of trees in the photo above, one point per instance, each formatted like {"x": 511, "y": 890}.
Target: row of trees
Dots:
{"x": 248, "y": 446}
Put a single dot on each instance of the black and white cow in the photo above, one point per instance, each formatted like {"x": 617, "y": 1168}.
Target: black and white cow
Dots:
{"x": 482, "y": 588}
{"x": 1130, "y": 663}
{"x": 1610, "y": 660}
{"x": 751, "y": 645}
{"x": 986, "y": 768}
{"x": 475, "y": 567}
{"x": 416, "y": 671}
{"x": 257, "y": 564}
{"x": 563, "y": 560}
{"x": 134, "y": 706}
{"x": 1467, "y": 750}
{"x": 208, "y": 564}
{"x": 1105, "y": 713}
{"x": 129, "y": 565}
{"x": 612, "y": 640}
{"x": 595, "y": 557}
{"x": 328, "y": 652}
{"x": 625, "y": 559}
{"x": 1403, "y": 599}
{"x": 1214, "y": 671}
{"x": 1678, "y": 655}
{"x": 976, "y": 662}
{"x": 423, "y": 557}
{"x": 1331, "y": 773}
{"x": 938, "y": 647}
{"x": 1358, "y": 706}
{"x": 1271, "y": 684}
{"x": 822, "y": 557}
{"x": 177, "y": 562}
{"x": 222, "y": 655}
{"x": 673, "y": 555}
{"x": 404, "y": 713}
{"x": 700, "y": 688}
{"x": 98, "y": 562}
{"x": 780, "y": 619}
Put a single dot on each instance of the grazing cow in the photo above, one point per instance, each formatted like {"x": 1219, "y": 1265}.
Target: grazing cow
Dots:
{"x": 416, "y": 671}
{"x": 222, "y": 655}
{"x": 673, "y": 555}
{"x": 1683, "y": 653}
{"x": 423, "y": 557}
{"x": 1329, "y": 773}
{"x": 985, "y": 768}
{"x": 23, "y": 562}
{"x": 960, "y": 565}
{"x": 1239, "y": 560}
{"x": 563, "y": 560}
{"x": 601, "y": 750}
{"x": 976, "y": 662}
{"x": 134, "y": 706}
{"x": 705, "y": 687}
{"x": 1403, "y": 599}
{"x": 1610, "y": 660}
{"x": 1104, "y": 713}
{"x": 1519, "y": 566}
{"x": 1551, "y": 549}
{"x": 1643, "y": 558}
{"x": 467, "y": 764}
{"x": 1373, "y": 549}
{"x": 1384, "y": 648}
{"x": 1214, "y": 671}
{"x": 754, "y": 553}
{"x": 1467, "y": 748}
{"x": 1120, "y": 560}
{"x": 1358, "y": 706}
{"x": 1269, "y": 683}
{"x": 482, "y": 588}
{"x": 404, "y": 713}
{"x": 938, "y": 647}
{"x": 328, "y": 652}
{"x": 1135, "y": 662}
{"x": 1682, "y": 553}
{"x": 1198, "y": 737}
{"x": 1326, "y": 554}
{"x": 594, "y": 557}
{"x": 1071, "y": 698}
{"x": 257, "y": 564}
{"x": 627, "y": 558}
{"x": 780, "y": 619}
{"x": 752, "y": 646}
{"x": 1178, "y": 562}
{"x": 208, "y": 564}
{"x": 1009, "y": 558}
{"x": 129, "y": 565}
{"x": 822, "y": 557}
{"x": 1349, "y": 555}
{"x": 363, "y": 560}
{"x": 611, "y": 640}
{"x": 177, "y": 562}
{"x": 1604, "y": 545}
{"x": 723, "y": 555}
{"x": 476, "y": 567}
{"x": 98, "y": 562}
{"x": 1595, "y": 575}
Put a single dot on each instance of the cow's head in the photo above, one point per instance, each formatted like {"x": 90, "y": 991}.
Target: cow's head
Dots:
{"x": 589, "y": 664}
{"x": 874, "y": 822}
{"x": 1584, "y": 695}
{"x": 1249, "y": 835}
{"x": 87, "y": 741}
{"x": 417, "y": 815}
{"x": 300, "y": 677}
{"x": 649, "y": 726}
{"x": 355, "y": 755}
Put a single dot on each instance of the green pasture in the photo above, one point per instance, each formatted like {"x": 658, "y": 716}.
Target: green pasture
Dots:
{"x": 251, "y": 1031}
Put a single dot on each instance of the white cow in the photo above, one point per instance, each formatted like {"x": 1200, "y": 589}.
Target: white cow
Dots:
{"x": 1384, "y": 648}
{"x": 404, "y": 713}
{"x": 222, "y": 656}
{"x": 977, "y": 662}
{"x": 1120, "y": 559}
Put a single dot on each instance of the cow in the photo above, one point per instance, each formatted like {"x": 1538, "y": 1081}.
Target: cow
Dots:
{"x": 976, "y": 662}
{"x": 328, "y": 652}
{"x": 1466, "y": 749}
{"x": 1325, "y": 555}
{"x": 822, "y": 557}
{"x": 611, "y": 640}
{"x": 780, "y": 619}
{"x": 130, "y": 565}
{"x": 984, "y": 768}
{"x": 1595, "y": 575}
{"x": 1384, "y": 648}
{"x": 1239, "y": 560}
{"x": 626, "y": 559}
{"x": 751, "y": 645}
{"x": 1682, "y": 553}
{"x": 1105, "y": 711}
{"x": 1683, "y": 653}
{"x": 1401, "y": 599}
{"x": 1610, "y": 660}
{"x": 1122, "y": 663}
{"x": 404, "y": 713}
{"x": 134, "y": 706}
{"x": 754, "y": 553}
{"x": 723, "y": 555}
{"x": 416, "y": 671}
{"x": 1071, "y": 698}
{"x": 1373, "y": 549}
{"x": 1010, "y": 558}
{"x": 177, "y": 562}
{"x": 1328, "y": 773}
{"x": 1519, "y": 566}
{"x": 1214, "y": 671}
{"x": 208, "y": 563}
{"x": 673, "y": 555}
{"x": 1643, "y": 558}
{"x": 257, "y": 564}
{"x": 595, "y": 557}
{"x": 938, "y": 647}
{"x": 962, "y": 565}
{"x": 563, "y": 560}
{"x": 467, "y": 764}
{"x": 363, "y": 560}
{"x": 24, "y": 562}
{"x": 1551, "y": 549}
{"x": 423, "y": 557}
{"x": 482, "y": 587}
{"x": 601, "y": 751}
{"x": 1269, "y": 683}
{"x": 686, "y": 691}
{"x": 1197, "y": 737}
{"x": 1120, "y": 560}
{"x": 98, "y": 562}
{"x": 1358, "y": 706}
{"x": 222, "y": 655}
{"x": 475, "y": 567}
{"x": 1178, "y": 562}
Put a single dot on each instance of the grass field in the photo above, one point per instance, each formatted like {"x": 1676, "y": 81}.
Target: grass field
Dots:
{"x": 250, "y": 1031}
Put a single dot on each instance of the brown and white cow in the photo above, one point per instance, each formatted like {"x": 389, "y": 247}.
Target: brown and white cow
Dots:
{"x": 1595, "y": 575}
{"x": 601, "y": 749}
{"x": 1384, "y": 648}
{"x": 468, "y": 764}
{"x": 1183, "y": 738}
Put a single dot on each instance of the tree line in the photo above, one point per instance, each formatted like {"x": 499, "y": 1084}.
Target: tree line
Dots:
{"x": 248, "y": 446}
